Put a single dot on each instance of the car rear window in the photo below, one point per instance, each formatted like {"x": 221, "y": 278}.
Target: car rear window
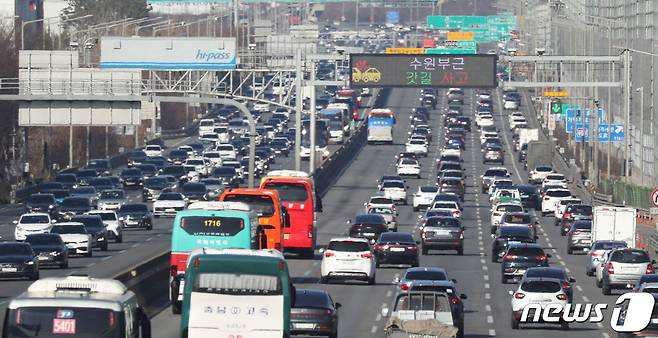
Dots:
{"x": 348, "y": 246}
{"x": 426, "y": 275}
{"x": 581, "y": 209}
{"x": 609, "y": 245}
{"x": 442, "y": 222}
{"x": 558, "y": 193}
{"x": 526, "y": 251}
{"x": 546, "y": 273}
{"x": 509, "y": 208}
{"x": 541, "y": 286}
{"x": 582, "y": 225}
{"x": 630, "y": 256}
{"x": 429, "y": 189}
{"x": 305, "y": 299}
{"x": 517, "y": 219}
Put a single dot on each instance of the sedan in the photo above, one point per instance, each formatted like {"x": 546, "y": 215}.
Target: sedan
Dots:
{"x": 557, "y": 273}
{"x": 519, "y": 257}
{"x": 368, "y": 226}
{"x": 17, "y": 260}
{"x": 169, "y": 203}
{"x": 314, "y": 313}
{"x": 49, "y": 249}
{"x": 442, "y": 233}
{"x": 112, "y": 199}
{"x": 396, "y": 248}
{"x": 136, "y": 215}
{"x": 424, "y": 196}
{"x": 408, "y": 167}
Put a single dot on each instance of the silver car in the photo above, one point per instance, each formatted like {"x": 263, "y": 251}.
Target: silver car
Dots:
{"x": 624, "y": 268}
{"x": 579, "y": 237}
{"x": 596, "y": 251}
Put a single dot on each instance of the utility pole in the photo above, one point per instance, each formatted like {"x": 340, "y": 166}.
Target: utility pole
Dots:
{"x": 313, "y": 122}
{"x": 298, "y": 111}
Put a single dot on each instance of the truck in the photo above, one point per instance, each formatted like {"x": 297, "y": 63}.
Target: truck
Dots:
{"x": 540, "y": 153}
{"x": 525, "y": 136}
{"x": 424, "y": 314}
{"x": 614, "y": 223}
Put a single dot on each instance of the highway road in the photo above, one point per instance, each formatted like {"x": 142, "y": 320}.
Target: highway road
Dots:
{"x": 488, "y": 304}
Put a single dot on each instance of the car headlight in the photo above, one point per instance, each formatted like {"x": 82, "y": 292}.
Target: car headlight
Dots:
{"x": 20, "y": 229}
{"x": 29, "y": 262}
{"x": 51, "y": 206}
{"x": 55, "y": 253}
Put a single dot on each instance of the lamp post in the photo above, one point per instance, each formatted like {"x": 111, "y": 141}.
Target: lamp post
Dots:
{"x": 164, "y": 22}
{"x": 59, "y": 38}
{"x": 25, "y": 23}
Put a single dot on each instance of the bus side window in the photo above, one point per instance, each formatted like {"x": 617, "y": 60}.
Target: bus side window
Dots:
{"x": 286, "y": 217}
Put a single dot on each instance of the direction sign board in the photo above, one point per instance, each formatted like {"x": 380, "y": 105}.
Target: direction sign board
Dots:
{"x": 617, "y": 133}
{"x": 460, "y": 36}
{"x": 569, "y": 120}
{"x": 402, "y": 50}
{"x": 582, "y": 131}
{"x": 556, "y": 94}
{"x": 556, "y": 107}
{"x": 450, "y": 51}
{"x": 392, "y": 17}
{"x": 654, "y": 197}
{"x": 604, "y": 135}
{"x": 419, "y": 70}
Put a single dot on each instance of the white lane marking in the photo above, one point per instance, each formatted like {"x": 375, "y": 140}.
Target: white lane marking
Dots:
{"x": 487, "y": 308}
{"x": 567, "y": 270}
{"x": 579, "y": 288}
{"x": 558, "y": 257}
{"x": 486, "y": 277}
{"x": 378, "y": 318}
{"x": 389, "y": 294}
{"x": 485, "y": 268}
{"x": 373, "y": 329}
{"x": 605, "y": 334}
{"x": 492, "y": 333}
{"x": 483, "y": 261}
{"x": 135, "y": 245}
{"x": 562, "y": 263}
{"x": 316, "y": 263}
{"x": 486, "y": 285}
{"x": 307, "y": 273}
{"x": 149, "y": 239}
{"x": 122, "y": 251}
{"x": 90, "y": 265}
{"x": 106, "y": 258}
{"x": 585, "y": 299}
{"x": 489, "y": 319}
{"x": 487, "y": 296}
{"x": 72, "y": 272}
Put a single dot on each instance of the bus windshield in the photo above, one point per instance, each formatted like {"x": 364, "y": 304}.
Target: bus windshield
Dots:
{"x": 290, "y": 192}
{"x": 259, "y": 203}
{"x": 46, "y": 322}
{"x": 212, "y": 225}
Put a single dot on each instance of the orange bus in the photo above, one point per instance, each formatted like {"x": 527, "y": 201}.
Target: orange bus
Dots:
{"x": 298, "y": 195}
{"x": 271, "y": 214}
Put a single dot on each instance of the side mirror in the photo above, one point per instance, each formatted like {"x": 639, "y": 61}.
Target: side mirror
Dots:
{"x": 348, "y": 221}
{"x": 384, "y": 312}
{"x": 14, "y": 222}
{"x": 418, "y": 242}
{"x": 653, "y": 261}
{"x": 536, "y": 237}
{"x": 321, "y": 250}
{"x": 396, "y": 280}
{"x": 463, "y": 296}
{"x": 548, "y": 255}
{"x": 572, "y": 280}
{"x": 338, "y": 306}
{"x": 453, "y": 280}
{"x": 511, "y": 293}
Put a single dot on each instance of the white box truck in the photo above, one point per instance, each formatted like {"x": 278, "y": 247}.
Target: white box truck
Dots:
{"x": 614, "y": 223}
{"x": 525, "y": 136}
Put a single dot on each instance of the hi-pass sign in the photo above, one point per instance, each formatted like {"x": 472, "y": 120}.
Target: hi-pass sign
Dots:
{"x": 422, "y": 70}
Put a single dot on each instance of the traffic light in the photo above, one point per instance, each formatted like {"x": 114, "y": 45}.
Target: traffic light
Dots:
{"x": 556, "y": 106}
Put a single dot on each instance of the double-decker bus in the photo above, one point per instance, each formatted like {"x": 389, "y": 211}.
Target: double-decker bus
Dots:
{"x": 271, "y": 214}
{"x": 237, "y": 293}
{"x": 297, "y": 193}
{"x": 380, "y": 125}
{"x": 214, "y": 225}
{"x": 321, "y": 139}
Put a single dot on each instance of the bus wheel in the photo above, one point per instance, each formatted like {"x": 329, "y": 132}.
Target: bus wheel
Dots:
{"x": 176, "y": 307}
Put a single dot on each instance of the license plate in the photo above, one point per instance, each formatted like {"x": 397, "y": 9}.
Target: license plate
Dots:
{"x": 286, "y": 236}
{"x": 9, "y": 270}
{"x": 368, "y": 234}
{"x": 397, "y": 249}
{"x": 43, "y": 258}
{"x": 305, "y": 325}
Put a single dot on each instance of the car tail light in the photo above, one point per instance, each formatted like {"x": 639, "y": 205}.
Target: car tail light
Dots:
{"x": 173, "y": 271}
{"x": 519, "y": 295}
{"x": 565, "y": 285}
{"x": 366, "y": 255}
{"x": 456, "y": 212}
{"x": 508, "y": 258}
{"x": 196, "y": 262}
{"x": 542, "y": 258}
{"x": 380, "y": 247}
{"x": 611, "y": 269}
{"x": 412, "y": 248}
{"x": 461, "y": 234}
{"x": 455, "y": 300}
{"x": 566, "y": 215}
{"x": 649, "y": 269}
{"x": 562, "y": 296}
{"x": 328, "y": 254}
{"x": 405, "y": 286}
{"x": 596, "y": 254}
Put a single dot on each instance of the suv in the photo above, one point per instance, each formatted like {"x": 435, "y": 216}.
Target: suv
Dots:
{"x": 579, "y": 236}
{"x": 489, "y": 176}
{"x": 596, "y": 251}
{"x": 396, "y": 248}
{"x": 571, "y": 213}
{"x": 95, "y": 226}
{"x": 507, "y": 235}
{"x": 624, "y": 267}
{"x": 442, "y": 233}
{"x": 348, "y": 258}
{"x": 519, "y": 257}
{"x": 537, "y": 175}
{"x": 368, "y": 226}
{"x": 551, "y": 198}
{"x": 537, "y": 291}
{"x": 112, "y": 223}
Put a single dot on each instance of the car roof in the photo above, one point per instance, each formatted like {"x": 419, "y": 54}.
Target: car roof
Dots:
{"x": 426, "y": 268}
{"x": 541, "y": 279}
{"x": 349, "y": 239}
{"x": 525, "y": 245}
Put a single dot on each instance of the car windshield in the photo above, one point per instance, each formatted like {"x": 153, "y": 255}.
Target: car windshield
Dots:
{"x": 14, "y": 249}
{"x": 84, "y": 190}
{"x": 112, "y": 194}
{"x": 517, "y": 219}
{"x": 429, "y": 189}
{"x": 444, "y": 205}
{"x": 442, "y": 222}
{"x": 386, "y": 211}
{"x": 393, "y": 184}
{"x": 41, "y": 239}
{"x": 75, "y": 202}
{"x": 69, "y": 229}
{"x": 528, "y": 252}
{"x": 608, "y": 245}
{"x": 546, "y": 273}
{"x": 630, "y": 256}
{"x": 544, "y": 169}
{"x": 509, "y": 208}
{"x": 131, "y": 172}
{"x": 541, "y": 286}
{"x": 134, "y": 208}
{"x": 289, "y": 192}
{"x": 35, "y": 219}
{"x": 194, "y": 187}
{"x": 395, "y": 237}
{"x": 558, "y": 193}
{"x": 583, "y": 225}
{"x": 224, "y": 171}
{"x": 348, "y": 246}
{"x": 426, "y": 275}
{"x": 494, "y": 173}
{"x": 106, "y": 216}
{"x": 581, "y": 209}
{"x": 176, "y": 170}
{"x": 41, "y": 199}
{"x": 170, "y": 196}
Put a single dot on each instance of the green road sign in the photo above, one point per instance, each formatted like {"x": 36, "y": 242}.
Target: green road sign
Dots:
{"x": 450, "y": 51}
{"x": 556, "y": 106}
{"x": 565, "y": 106}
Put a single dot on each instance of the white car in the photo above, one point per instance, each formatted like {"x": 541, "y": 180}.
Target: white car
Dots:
{"x": 188, "y": 149}
{"x": 168, "y": 204}
{"x": 538, "y": 174}
{"x": 424, "y": 196}
{"x": 75, "y": 236}
{"x": 408, "y": 167}
{"x": 499, "y": 210}
{"x": 201, "y": 165}
{"x": 262, "y": 107}
{"x": 389, "y": 214}
{"x": 451, "y": 206}
{"x": 214, "y": 158}
{"x": 395, "y": 190}
{"x": 485, "y": 121}
{"x": 32, "y": 223}
{"x": 153, "y": 150}
{"x": 551, "y": 199}
{"x": 538, "y": 291}
{"x": 488, "y": 134}
{"x": 562, "y": 205}
{"x": 380, "y": 202}
{"x": 206, "y": 126}
{"x": 514, "y": 115}
{"x": 480, "y": 116}
{"x": 554, "y": 179}
{"x": 238, "y": 168}
{"x": 227, "y": 152}
{"x": 451, "y": 152}
{"x": 348, "y": 258}
{"x": 223, "y": 134}
{"x": 209, "y": 138}
{"x": 510, "y": 105}
{"x": 416, "y": 146}
{"x": 517, "y": 122}
{"x": 113, "y": 224}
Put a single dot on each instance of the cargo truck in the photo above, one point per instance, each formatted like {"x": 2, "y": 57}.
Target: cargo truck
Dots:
{"x": 614, "y": 223}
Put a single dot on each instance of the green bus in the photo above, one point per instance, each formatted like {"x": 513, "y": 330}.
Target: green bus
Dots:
{"x": 237, "y": 293}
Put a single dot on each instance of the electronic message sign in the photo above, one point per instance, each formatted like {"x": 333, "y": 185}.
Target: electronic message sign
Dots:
{"x": 421, "y": 70}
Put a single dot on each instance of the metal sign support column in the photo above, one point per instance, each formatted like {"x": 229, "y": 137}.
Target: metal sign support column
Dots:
{"x": 298, "y": 111}
{"x": 312, "y": 132}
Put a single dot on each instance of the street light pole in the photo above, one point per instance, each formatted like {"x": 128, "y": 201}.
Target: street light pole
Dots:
{"x": 641, "y": 91}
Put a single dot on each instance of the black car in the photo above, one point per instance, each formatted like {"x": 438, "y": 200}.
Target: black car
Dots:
{"x": 85, "y": 175}
{"x": 43, "y": 203}
{"x": 509, "y": 234}
{"x": 47, "y": 188}
{"x": 464, "y": 122}
{"x": 95, "y": 227}
{"x": 198, "y": 148}
{"x": 136, "y": 157}
{"x": 75, "y": 206}
{"x": 159, "y": 163}
{"x": 49, "y": 249}
{"x": 68, "y": 180}
{"x": 132, "y": 178}
{"x": 228, "y": 175}
{"x": 523, "y": 153}
{"x": 102, "y": 183}
{"x": 101, "y": 166}
{"x": 368, "y": 226}
{"x": 194, "y": 191}
{"x": 280, "y": 147}
{"x": 519, "y": 257}
{"x": 178, "y": 171}
{"x": 153, "y": 186}
{"x": 147, "y": 169}
{"x": 17, "y": 260}
{"x": 314, "y": 313}
{"x": 557, "y": 273}
{"x": 136, "y": 215}
{"x": 529, "y": 196}
{"x": 396, "y": 248}
{"x": 442, "y": 233}
{"x": 178, "y": 156}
